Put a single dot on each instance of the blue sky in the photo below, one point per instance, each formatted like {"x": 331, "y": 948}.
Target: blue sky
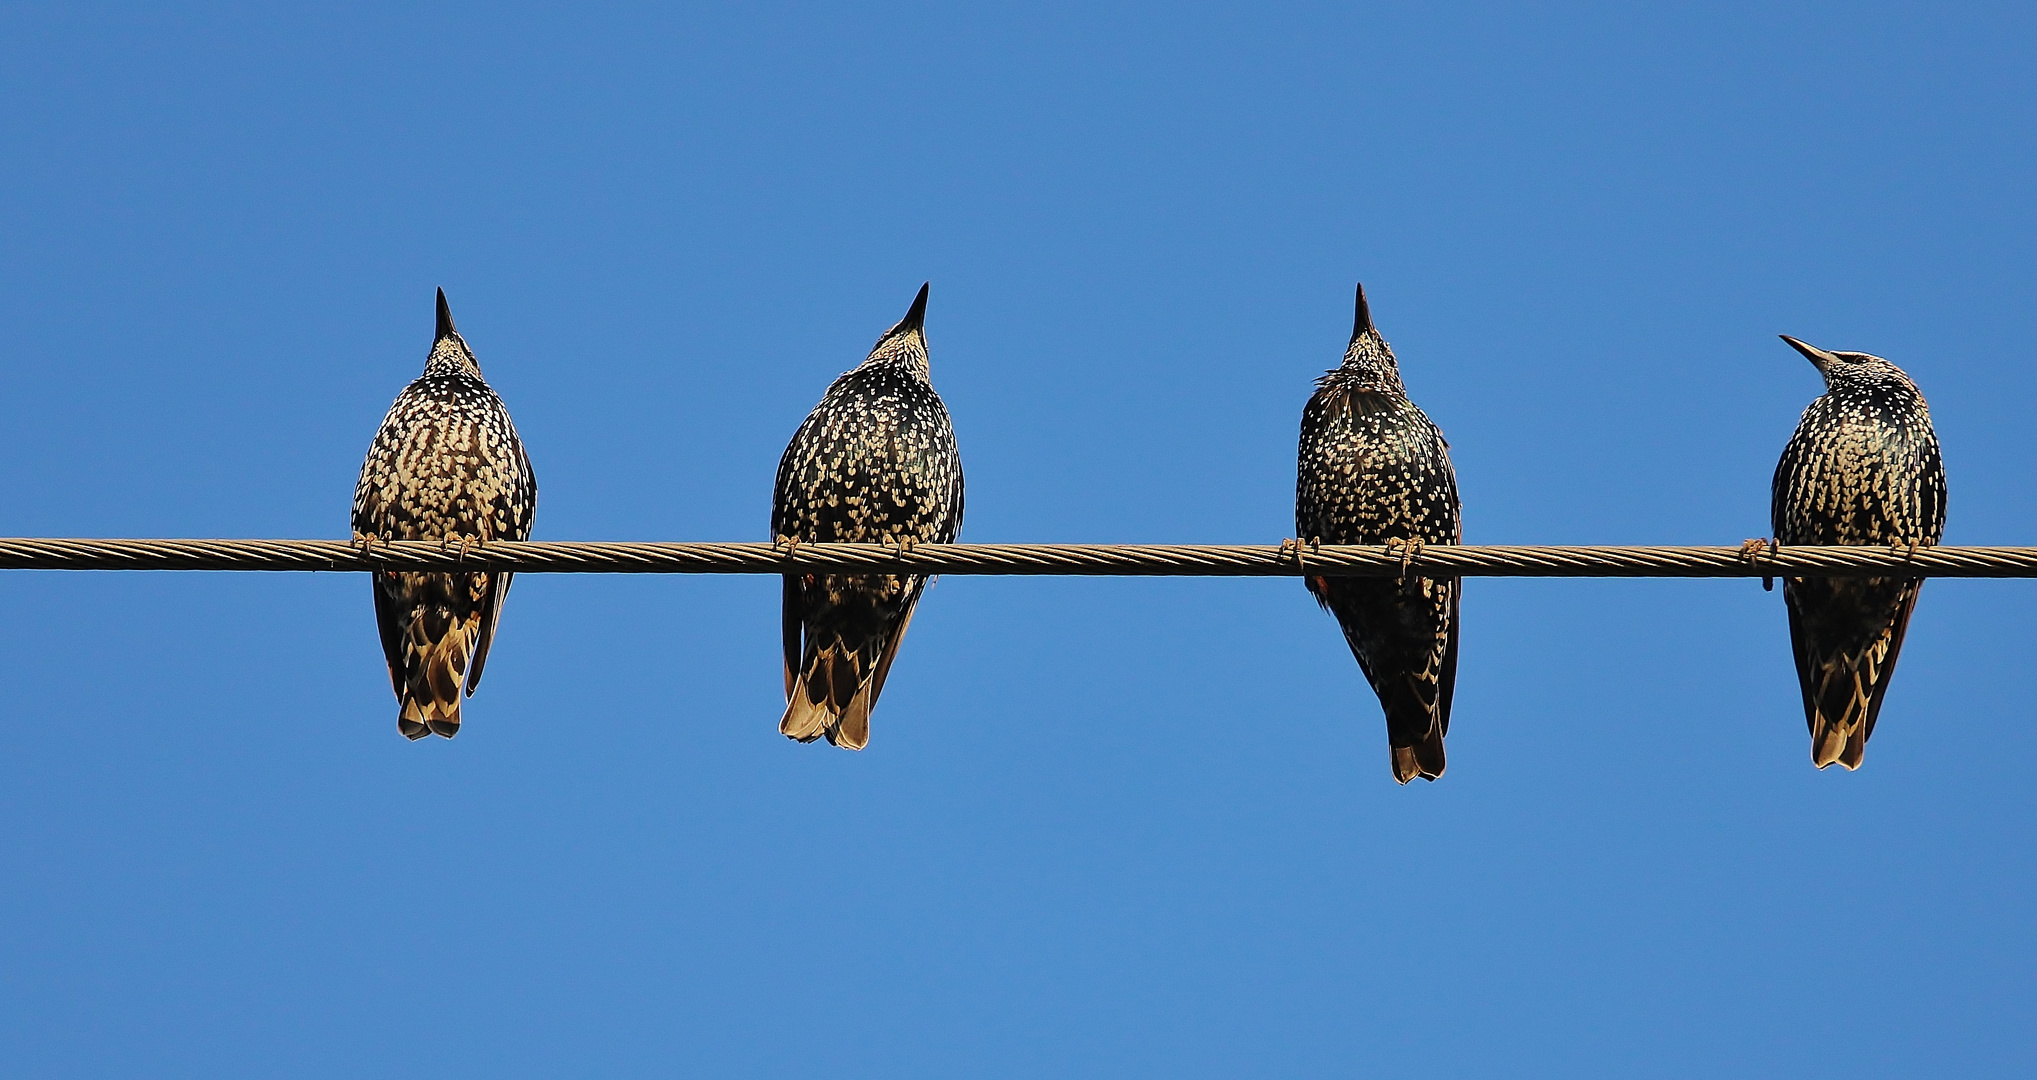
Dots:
{"x": 1104, "y": 827}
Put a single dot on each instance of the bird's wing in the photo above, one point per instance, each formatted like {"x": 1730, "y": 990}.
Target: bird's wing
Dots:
{"x": 890, "y": 652}
{"x": 1807, "y": 661}
{"x": 1447, "y": 686}
{"x": 792, "y": 621}
{"x": 1934, "y": 492}
{"x": 389, "y": 623}
{"x": 491, "y": 610}
{"x": 1894, "y": 638}
{"x": 511, "y": 512}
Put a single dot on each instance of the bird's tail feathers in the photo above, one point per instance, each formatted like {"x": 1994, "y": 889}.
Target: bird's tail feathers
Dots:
{"x": 805, "y": 719}
{"x": 1839, "y": 721}
{"x": 436, "y": 673}
{"x": 410, "y": 719}
{"x": 831, "y": 699}
{"x": 1414, "y": 726}
{"x": 1423, "y": 759}
{"x": 852, "y": 728}
{"x": 1843, "y": 706}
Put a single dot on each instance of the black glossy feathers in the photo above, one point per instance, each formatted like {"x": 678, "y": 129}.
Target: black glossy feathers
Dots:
{"x": 1372, "y": 469}
{"x": 875, "y": 462}
{"x": 1863, "y": 468}
{"x": 446, "y": 465}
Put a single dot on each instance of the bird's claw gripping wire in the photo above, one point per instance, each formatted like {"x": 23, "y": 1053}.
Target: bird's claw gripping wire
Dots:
{"x": 788, "y": 545}
{"x": 1292, "y": 546}
{"x": 1409, "y": 548}
{"x": 1753, "y": 549}
{"x": 446, "y": 543}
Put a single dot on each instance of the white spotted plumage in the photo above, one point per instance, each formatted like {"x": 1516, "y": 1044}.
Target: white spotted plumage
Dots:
{"x": 1863, "y": 467}
{"x": 875, "y": 462}
{"x": 446, "y": 465}
{"x": 1373, "y": 469}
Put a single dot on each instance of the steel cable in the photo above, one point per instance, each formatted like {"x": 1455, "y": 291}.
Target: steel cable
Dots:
{"x": 1088, "y": 560}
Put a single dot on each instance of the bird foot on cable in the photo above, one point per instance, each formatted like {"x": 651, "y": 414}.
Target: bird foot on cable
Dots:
{"x": 1753, "y": 549}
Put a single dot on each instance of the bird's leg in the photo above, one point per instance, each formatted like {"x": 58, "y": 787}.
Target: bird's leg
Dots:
{"x": 789, "y": 543}
{"x": 1409, "y": 549}
{"x": 464, "y": 542}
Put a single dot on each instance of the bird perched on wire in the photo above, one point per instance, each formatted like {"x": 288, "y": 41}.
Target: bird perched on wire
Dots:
{"x": 447, "y": 465}
{"x": 1863, "y": 468}
{"x": 875, "y": 462}
{"x": 1373, "y": 469}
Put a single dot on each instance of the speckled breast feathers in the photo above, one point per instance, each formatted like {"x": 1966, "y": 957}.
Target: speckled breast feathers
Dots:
{"x": 446, "y": 465}
{"x": 1862, "y": 468}
{"x": 875, "y": 462}
{"x": 1373, "y": 469}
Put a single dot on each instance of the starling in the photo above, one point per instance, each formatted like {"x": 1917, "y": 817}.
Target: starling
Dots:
{"x": 1373, "y": 469}
{"x": 1863, "y": 468}
{"x": 875, "y": 462}
{"x": 446, "y": 466}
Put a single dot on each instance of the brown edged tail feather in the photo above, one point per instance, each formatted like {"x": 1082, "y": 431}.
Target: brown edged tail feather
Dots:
{"x": 831, "y": 699}
{"x": 1414, "y": 729}
{"x": 437, "y": 650}
{"x": 836, "y": 689}
{"x": 1842, "y": 690}
{"x": 1424, "y": 759}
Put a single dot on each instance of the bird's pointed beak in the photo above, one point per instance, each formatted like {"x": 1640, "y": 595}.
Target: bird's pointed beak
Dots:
{"x": 1818, "y": 357}
{"x": 445, "y": 318}
{"x": 917, "y": 317}
{"x": 1362, "y": 320}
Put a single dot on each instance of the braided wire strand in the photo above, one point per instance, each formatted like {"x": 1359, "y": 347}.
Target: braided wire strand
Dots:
{"x": 1083, "y": 560}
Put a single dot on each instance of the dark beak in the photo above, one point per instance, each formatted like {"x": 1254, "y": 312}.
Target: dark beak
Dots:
{"x": 1818, "y": 357}
{"x": 917, "y": 317}
{"x": 445, "y": 318}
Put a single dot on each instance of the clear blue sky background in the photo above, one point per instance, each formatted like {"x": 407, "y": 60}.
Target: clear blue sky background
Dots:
{"x": 1107, "y": 828}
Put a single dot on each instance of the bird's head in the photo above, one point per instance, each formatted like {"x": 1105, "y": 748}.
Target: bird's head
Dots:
{"x": 1850, "y": 368}
{"x": 907, "y": 342}
{"x": 449, "y": 351}
{"x": 1369, "y": 359}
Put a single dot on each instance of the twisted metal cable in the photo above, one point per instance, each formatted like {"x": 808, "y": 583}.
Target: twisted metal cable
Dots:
{"x": 1089, "y": 560}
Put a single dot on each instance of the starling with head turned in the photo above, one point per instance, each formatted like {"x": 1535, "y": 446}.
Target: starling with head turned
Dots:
{"x": 1373, "y": 469}
{"x": 1863, "y": 468}
{"x": 875, "y": 462}
{"x": 446, "y": 466}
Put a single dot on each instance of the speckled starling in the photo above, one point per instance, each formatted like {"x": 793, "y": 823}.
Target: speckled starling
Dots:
{"x": 1863, "y": 468}
{"x": 875, "y": 462}
{"x": 1373, "y": 469}
{"x": 446, "y": 466}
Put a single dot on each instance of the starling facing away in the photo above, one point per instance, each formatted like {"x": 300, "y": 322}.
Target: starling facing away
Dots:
{"x": 1863, "y": 468}
{"x": 446, "y": 466}
{"x": 875, "y": 462}
{"x": 1373, "y": 469}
